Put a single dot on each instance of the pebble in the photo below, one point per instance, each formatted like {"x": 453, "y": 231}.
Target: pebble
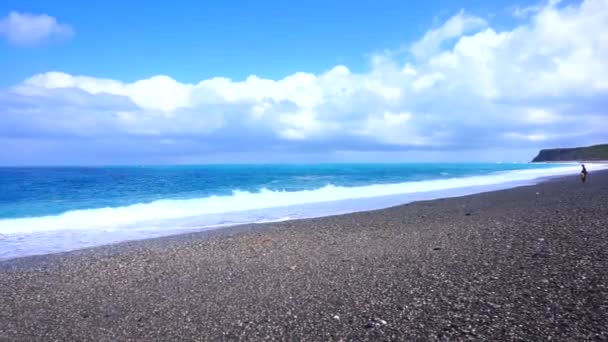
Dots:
{"x": 496, "y": 283}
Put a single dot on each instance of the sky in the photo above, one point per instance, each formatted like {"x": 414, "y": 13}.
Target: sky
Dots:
{"x": 273, "y": 81}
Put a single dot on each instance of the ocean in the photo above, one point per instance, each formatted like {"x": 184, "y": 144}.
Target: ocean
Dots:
{"x": 54, "y": 209}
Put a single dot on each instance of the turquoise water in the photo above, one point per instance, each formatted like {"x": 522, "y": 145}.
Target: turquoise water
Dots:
{"x": 31, "y": 192}
{"x": 53, "y": 209}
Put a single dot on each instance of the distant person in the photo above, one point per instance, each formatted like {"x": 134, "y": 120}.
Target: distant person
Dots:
{"x": 583, "y": 174}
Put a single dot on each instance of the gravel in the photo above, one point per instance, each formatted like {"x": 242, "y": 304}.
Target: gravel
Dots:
{"x": 529, "y": 263}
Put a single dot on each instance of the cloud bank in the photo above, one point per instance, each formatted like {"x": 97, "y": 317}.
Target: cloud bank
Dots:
{"x": 463, "y": 85}
{"x": 26, "y": 29}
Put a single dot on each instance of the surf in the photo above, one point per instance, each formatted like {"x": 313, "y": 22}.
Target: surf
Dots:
{"x": 173, "y": 213}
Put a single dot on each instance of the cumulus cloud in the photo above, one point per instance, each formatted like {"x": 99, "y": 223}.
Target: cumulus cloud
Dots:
{"x": 26, "y": 29}
{"x": 541, "y": 83}
{"x": 454, "y": 27}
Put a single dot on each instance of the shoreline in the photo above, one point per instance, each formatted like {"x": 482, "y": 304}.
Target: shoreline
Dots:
{"x": 246, "y": 226}
{"x": 222, "y": 231}
{"x": 521, "y": 263}
{"x": 46, "y": 242}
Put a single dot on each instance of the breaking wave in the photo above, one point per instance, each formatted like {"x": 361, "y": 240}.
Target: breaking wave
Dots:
{"x": 167, "y": 213}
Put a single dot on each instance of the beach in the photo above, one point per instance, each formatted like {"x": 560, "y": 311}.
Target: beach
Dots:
{"x": 529, "y": 263}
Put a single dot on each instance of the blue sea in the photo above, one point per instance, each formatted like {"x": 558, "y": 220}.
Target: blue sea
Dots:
{"x": 54, "y": 209}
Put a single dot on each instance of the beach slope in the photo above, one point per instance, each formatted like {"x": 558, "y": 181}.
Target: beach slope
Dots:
{"x": 529, "y": 263}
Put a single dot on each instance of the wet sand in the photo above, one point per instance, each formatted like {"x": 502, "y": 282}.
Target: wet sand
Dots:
{"x": 529, "y": 263}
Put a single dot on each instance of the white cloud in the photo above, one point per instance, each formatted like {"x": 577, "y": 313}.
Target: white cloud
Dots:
{"x": 559, "y": 52}
{"x": 28, "y": 29}
{"x": 426, "y": 81}
{"x": 391, "y": 128}
{"x": 527, "y": 137}
{"x": 541, "y": 116}
{"x": 544, "y": 81}
{"x": 525, "y": 12}
{"x": 452, "y": 28}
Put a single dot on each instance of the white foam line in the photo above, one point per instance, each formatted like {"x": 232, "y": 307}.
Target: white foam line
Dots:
{"x": 162, "y": 214}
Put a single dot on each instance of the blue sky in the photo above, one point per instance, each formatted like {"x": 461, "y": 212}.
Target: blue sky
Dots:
{"x": 189, "y": 82}
{"x": 192, "y": 40}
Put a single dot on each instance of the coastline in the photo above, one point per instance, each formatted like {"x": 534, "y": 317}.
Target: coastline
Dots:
{"x": 572, "y": 162}
{"x": 526, "y": 262}
{"x": 74, "y": 229}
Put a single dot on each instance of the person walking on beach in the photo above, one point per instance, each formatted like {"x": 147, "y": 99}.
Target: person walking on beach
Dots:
{"x": 583, "y": 173}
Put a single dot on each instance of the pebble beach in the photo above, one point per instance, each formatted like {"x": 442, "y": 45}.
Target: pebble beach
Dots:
{"x": 529, "y": 263}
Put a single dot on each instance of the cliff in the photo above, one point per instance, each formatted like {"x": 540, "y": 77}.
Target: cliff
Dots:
{"x": 596, "y": 152}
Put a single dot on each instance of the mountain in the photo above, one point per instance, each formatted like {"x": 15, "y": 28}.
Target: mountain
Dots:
{"x": 595, "y": 152}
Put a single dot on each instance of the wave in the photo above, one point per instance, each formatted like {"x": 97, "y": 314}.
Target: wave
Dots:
{"x": 164, "y": 213}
